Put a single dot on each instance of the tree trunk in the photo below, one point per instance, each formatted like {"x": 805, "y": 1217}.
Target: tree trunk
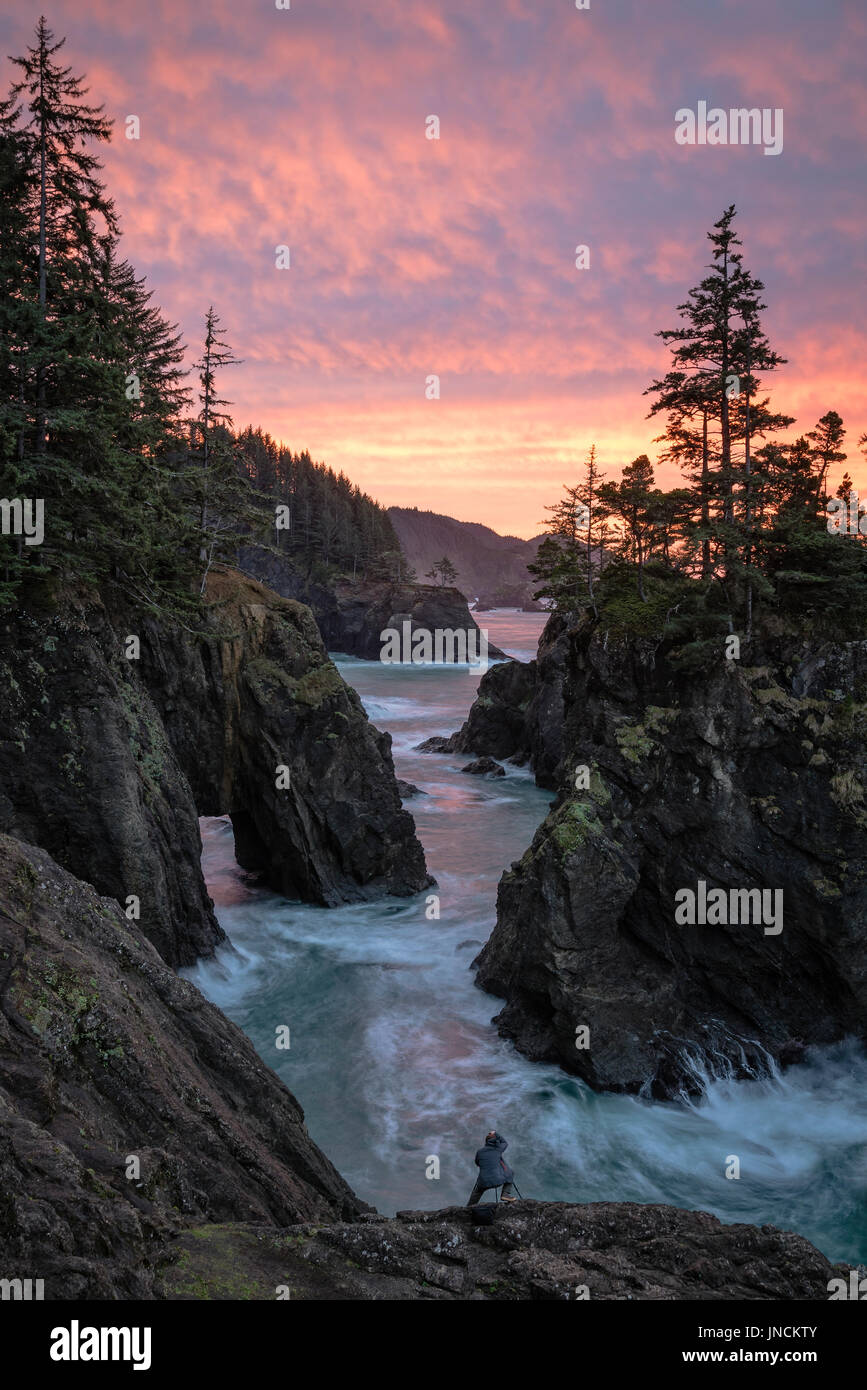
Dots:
{"x": 203, "y": 552}
{"x": 748, "y": 519}
{"x": 705, "y": 500}
{"x": 43, "y": 278}
{"x": 726, "y": 443}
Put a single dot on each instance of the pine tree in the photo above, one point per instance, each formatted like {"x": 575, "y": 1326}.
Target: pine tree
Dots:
{"x": 716, "y": 355}
{"x": 71, "y": 195}
{"x": 141, "y": 407}
{"x": 18, "y": 326}
{"x": 631, "y": 501}
{"x": 825, "y": 440}
{"x": 442, "y": 572}
{"x": 570, "y": 558}
{"x": 223, "y": 500}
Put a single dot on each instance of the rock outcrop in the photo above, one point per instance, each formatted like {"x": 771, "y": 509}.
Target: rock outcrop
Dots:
{"x": 351, "y": 614}
{"x": 130, "y": 1107}
{"x": 746, "y": 776}
{"x": 499, "y": 723}
{"x": 534, "y": 1251}
{"x": 148, "y": 1152}
{"x": 519, "y": 712}
{"x": 484, "y": 767}
{"x": 107, "y": 762}
{"x": 268, "y": 697}
{"x": 361, "y": 612}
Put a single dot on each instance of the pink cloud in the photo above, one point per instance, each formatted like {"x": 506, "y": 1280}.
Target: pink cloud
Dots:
{"x": 411, "y": 256}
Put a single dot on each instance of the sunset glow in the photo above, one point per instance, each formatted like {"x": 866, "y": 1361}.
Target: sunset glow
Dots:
{"x": 456, "y": 257}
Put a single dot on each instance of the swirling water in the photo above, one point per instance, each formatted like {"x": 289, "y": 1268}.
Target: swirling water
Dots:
{"x": 394, "y": 1058}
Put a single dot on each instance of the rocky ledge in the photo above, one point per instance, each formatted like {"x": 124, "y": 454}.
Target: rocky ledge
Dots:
{"x": 148, "y": 1152}
{"x": 534, "y": 1250}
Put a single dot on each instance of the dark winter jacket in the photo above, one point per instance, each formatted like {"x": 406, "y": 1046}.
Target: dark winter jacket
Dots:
{"x": 493, "y": 1168}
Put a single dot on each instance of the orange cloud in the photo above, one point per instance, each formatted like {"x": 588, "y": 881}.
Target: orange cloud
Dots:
{"x": 456, "y": 256}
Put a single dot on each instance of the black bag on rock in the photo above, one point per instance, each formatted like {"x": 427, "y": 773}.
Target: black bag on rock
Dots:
{"x": 483, "y": 1215}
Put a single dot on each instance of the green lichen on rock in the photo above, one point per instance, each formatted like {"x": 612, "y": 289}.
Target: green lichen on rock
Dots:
{"x": 146, "y": 734}
{"x": 849, "y": 718}
{"x": 63, "y": 1008}
{"x": 639, "y": 738}
{"x": 72, "y": 769}
{"x": 24, "y": 881}
{"x": 774, "y": 695}
{"x": 826, "y": 889}
{"x": 766, "y": 690}
{"x": 573, "y": 825}
{"x": 597, "y": 789}
{"x": 227, "y": 1263}
{"x": 264, "y": 677}
{"x": 319, "y": 684}
{"x": 847, "y": 789}
{"x": 819, "y": 728}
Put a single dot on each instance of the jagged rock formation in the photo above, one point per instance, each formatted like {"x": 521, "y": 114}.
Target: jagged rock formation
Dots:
{"x": 351, "y": 614}
{"x": 361, "y": 612}
{"x": 146, "y": 1151}
{"x": 338, "y": 832}
{"x": 748, "y": 775}
{"x": 108, "y": 762}
{"x": 107, "y": 1056}
{"x": 535, "y": 1250}
{"x": 518, "y": 714}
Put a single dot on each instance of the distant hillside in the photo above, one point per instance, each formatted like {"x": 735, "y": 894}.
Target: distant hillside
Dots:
{"x": 491, "y": 567}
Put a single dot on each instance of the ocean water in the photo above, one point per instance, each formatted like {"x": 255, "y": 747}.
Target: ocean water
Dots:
{"x": 394, "y": 1058}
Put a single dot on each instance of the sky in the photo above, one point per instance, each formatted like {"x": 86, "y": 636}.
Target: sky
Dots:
{"x": 411, "y": 257}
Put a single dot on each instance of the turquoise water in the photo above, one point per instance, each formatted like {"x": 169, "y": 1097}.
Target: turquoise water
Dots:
{"x": 394, "y": 1058}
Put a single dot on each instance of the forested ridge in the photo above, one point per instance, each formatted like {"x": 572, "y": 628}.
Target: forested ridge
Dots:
{"x": 328, "y": 524}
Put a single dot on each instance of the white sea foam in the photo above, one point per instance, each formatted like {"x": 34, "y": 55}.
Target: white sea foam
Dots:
{"x": 394, "y": 1057}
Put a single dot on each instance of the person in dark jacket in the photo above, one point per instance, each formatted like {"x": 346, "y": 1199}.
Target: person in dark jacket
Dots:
{"x": 493, "y": 1169}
